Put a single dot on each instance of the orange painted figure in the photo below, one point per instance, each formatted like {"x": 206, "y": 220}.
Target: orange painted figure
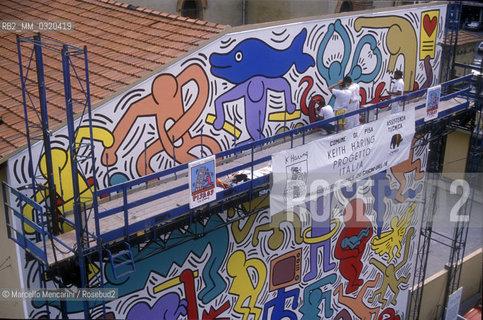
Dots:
{"x": 400, "y": 170}
{"x": 165, "y": 103}
{"x": 356, "y": 304}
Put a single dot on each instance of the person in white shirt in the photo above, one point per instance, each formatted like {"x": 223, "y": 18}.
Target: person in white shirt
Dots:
{"x": 325, "y": 112}
{"x": 354, "y": 102}
{"x": 342, "y": 99}
{"x": 397, "y": 89}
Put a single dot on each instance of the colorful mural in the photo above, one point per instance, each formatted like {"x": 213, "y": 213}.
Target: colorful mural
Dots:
{"x": 271, "y": 267}
{"x": 244, "y": 86}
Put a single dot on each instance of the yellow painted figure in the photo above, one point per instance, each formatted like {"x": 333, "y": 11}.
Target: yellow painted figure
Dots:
{"x": 242, "y": 285}
{"x": 389, "y": 279}
{"x": 401, "y": 41}
{"x": 393, "y": 239}
{"x": 62, "y": 174}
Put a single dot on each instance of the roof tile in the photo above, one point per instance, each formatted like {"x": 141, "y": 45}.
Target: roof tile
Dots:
{"x": 123, "y": 45}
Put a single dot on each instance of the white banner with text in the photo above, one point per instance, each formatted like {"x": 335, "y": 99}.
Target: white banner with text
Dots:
{"x": 307, "y": 171}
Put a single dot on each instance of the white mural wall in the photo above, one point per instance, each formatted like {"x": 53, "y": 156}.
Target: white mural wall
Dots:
{"x": 244, "y": 86}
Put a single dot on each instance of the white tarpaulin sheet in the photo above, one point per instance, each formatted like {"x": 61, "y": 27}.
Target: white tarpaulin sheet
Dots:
{"x": 351, "y": 155}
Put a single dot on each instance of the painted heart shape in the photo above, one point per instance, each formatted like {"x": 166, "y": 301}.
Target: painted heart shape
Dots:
{"x": 429, "y": 25}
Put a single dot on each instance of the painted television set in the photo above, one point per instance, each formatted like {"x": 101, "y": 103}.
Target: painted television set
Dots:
{"x": 285, "y": 270}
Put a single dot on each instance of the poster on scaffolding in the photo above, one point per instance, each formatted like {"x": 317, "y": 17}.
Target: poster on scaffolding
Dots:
{"x": 308, "y": 171}
{"x": 202, "y": 177}
{"x": 432, "y": 103}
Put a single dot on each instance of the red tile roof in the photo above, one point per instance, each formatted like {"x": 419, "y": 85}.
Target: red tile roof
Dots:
{"x": 464, "y": 37}
{"x": 124, "y": 43}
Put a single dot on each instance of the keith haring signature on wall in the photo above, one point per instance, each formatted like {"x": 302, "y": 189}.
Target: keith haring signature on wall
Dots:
{"x": 242, "y": 87}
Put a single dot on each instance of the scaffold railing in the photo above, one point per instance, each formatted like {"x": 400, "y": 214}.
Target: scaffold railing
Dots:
{"x": 122, "y": 192}
{"x": 164, "y": 220}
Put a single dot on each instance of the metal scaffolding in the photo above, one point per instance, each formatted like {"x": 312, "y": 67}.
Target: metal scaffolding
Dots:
{"x": 42, "y": 186}
{"x": 94, "y": 246}
{"x": 469, "y": 121}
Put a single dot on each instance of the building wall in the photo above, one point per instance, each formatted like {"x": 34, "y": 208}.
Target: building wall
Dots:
{"x": 270, "y": 266}
{"x": 9, "y": 271}
{"x": 277, "y": 72}
{"x": 230, "y": 12}
{"x": 239, "y": 12}
{"x": 227, "y": 12}
{"x": 455, "y": 156}
{"x": 163, "y": 6}
{"x": 435, "y": 286}
{"x": 273, "y": 10}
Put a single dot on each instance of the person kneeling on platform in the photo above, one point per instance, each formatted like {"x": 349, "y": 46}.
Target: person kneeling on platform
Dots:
{"x": 325, "y": 112}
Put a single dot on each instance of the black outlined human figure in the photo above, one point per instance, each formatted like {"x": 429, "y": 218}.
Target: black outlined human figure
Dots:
{"x": 314, "y": 296}
{"x": 389, "y": 279}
